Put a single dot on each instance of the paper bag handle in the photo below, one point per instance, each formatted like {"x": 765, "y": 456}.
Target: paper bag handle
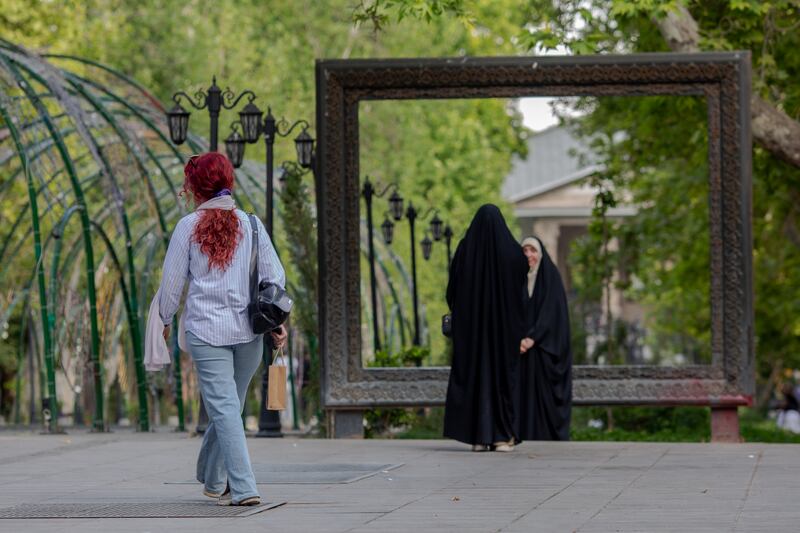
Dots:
{"x": 275, "y": 354}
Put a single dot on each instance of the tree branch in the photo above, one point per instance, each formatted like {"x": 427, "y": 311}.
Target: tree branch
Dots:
{"x": 680, "y": 31}
{"x": 774, "y": 130}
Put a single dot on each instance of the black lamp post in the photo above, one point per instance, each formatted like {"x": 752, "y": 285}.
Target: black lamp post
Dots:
{"x": 448, "y": 236}
{"x": 411, "y": 215}
{"x": 367, "y": 191}
{"x": 269, "y": 423}
{"x": 214, "y": 99}
{"x": 396, "y": 203}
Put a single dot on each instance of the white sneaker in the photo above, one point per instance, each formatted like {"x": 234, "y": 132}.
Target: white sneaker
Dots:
{"x": 480, "y": 447}
{"x": 210, "y": 494}
{"x": 225, "y": 498}
{"x": 252, "y": 500}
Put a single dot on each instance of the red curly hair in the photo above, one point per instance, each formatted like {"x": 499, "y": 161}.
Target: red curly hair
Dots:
{"x": 217, "y": 232}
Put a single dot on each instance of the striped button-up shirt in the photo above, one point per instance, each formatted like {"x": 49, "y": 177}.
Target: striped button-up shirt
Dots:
{"x": 216, "y": 304}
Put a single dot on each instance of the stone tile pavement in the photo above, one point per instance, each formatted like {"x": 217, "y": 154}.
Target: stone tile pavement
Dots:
{"x": 441, "y": 485}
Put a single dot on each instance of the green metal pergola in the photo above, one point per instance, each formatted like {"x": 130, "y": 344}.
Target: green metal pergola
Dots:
{"x": 89, "y": 194}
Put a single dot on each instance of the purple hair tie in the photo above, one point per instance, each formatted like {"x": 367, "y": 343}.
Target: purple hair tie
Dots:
{"x": 223, "y": 192}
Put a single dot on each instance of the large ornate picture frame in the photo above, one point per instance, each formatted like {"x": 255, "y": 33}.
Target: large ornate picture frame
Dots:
{"x": 722, "y": 78}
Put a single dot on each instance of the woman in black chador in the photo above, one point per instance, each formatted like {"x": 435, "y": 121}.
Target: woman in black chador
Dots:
{"x": 486, "y": 275}
{"x": 546, "y": 361}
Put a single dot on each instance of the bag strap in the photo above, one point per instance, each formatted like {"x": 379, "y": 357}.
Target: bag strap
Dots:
{"x": 253, "y": 259}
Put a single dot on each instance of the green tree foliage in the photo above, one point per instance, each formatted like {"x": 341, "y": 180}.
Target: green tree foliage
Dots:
{"x": 298, "y": 238}
{"x": 377, "y": 12}
{"x": 654, "y": 159}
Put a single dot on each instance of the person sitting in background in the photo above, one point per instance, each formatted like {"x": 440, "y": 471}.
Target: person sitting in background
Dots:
{"x": 789, "y": 410}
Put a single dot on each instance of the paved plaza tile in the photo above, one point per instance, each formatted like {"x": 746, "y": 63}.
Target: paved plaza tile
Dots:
{"x": 402, "y": 486}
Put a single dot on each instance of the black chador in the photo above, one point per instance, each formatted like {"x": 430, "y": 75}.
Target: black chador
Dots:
{"x": 486, "y": 275}
{"x": 546, "y": 368}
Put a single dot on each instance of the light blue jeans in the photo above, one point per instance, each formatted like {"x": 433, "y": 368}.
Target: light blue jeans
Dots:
{"x": 224, "y": 373}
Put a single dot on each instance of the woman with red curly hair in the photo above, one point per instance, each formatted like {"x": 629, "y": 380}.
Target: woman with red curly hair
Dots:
{"x": 210, "y": 248}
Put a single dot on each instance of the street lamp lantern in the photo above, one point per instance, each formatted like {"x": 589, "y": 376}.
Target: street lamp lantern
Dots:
{"x": 234, "y": 147}
{"x": 427, "y": 247}
{"x": 304, "y": 143}
{"x": 388, "y": 230}
{"x": 250, "y": 117}
{"x": 214, "y": 100}
{"x": 436, "y": 227}
{"x": 396, "y": 205}
{"x": 178, "y": 119}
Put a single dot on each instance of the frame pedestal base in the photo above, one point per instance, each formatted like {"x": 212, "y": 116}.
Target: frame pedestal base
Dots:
{"x": 725, "y": 424}
{"x": 345, "y": 424}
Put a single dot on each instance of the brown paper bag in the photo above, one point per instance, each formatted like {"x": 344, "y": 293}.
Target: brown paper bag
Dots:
{"x": 276, "y": 397}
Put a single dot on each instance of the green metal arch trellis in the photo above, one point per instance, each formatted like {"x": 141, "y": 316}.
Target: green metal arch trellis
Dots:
{"x": 83, "y": 139}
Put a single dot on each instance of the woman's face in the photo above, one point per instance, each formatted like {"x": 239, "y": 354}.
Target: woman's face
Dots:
{"x": 533, "y": 256}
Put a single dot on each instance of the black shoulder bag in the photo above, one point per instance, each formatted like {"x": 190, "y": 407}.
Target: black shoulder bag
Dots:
{"x": 269, "y": 304}
{"x": 447, "y": 325}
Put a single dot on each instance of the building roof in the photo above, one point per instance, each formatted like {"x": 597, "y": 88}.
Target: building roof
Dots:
{"x": 553, "y": 161}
